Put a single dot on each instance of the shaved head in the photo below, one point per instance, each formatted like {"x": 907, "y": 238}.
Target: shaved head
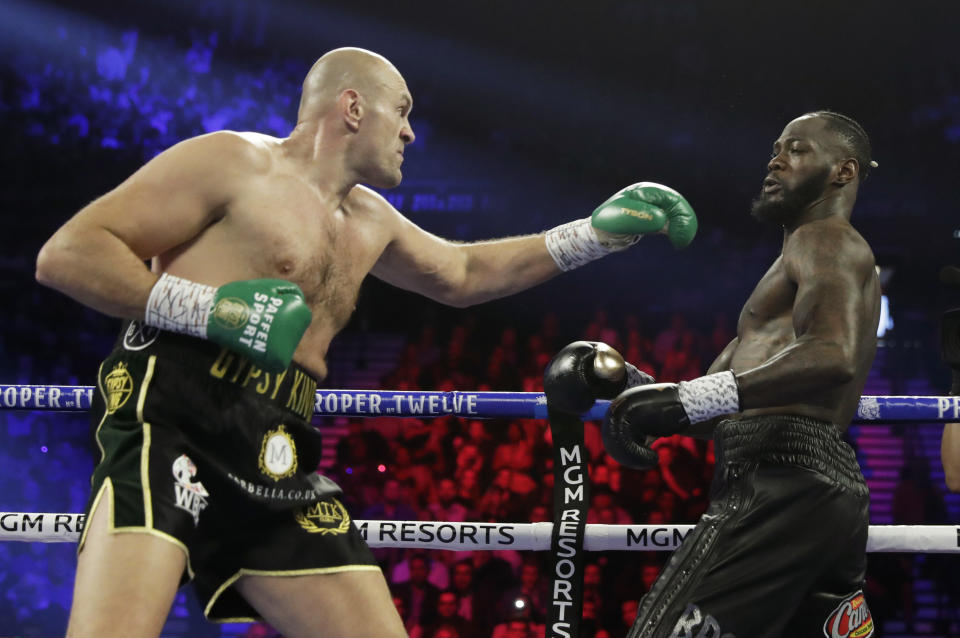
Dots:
{"x": 365, "y": 72}
{"x": 354, "y": 112}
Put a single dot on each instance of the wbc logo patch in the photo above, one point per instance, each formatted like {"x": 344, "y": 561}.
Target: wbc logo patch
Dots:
{"x": 191, "y": 496}
{"x": 851, "y": 619}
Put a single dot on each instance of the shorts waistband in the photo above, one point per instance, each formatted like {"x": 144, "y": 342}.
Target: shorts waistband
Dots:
{"x": 293, "y": 389}
{"x": 790, "y": 440}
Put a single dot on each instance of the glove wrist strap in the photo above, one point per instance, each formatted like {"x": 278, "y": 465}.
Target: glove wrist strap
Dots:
{"x": 577, "y": 243}
{"x": 180, "y": 305}
{"x": 710, "y": 396}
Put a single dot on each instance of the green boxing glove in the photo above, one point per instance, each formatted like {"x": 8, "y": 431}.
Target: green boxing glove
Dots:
{"x": 645, "y": 208}
{"x": 641, "y": 209}
{"x": 261, "y": 319}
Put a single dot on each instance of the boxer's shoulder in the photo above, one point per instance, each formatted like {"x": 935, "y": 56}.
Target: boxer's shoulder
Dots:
{"x": 229, "y": 150}
{"x": 827, "y": 244}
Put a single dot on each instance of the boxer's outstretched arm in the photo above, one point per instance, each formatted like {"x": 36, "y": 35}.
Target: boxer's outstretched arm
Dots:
{"x": 97, "y": 257}
{"x": 461, "y": 274}
{"x": 456, "y": 274}
{"x": 830, "y": 265}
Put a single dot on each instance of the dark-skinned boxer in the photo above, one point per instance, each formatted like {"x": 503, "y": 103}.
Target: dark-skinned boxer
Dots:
{"x": 781, "y": 549}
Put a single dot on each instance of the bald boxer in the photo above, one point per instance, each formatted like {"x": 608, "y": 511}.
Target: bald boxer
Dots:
{"x": 781, "y": 549}
{"x": 257, "y": 247}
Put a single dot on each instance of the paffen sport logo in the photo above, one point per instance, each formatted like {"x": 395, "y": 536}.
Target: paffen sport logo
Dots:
{"x": 139, "y": 336}
{"x": 278, "y": 454}
{"x": 231, "y": 313}
{"x": 851, "y": 619}
{"x": 191, "y": 497}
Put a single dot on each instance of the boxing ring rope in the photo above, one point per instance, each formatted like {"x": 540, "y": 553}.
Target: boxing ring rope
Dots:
{"x": 475, "y": 405}
{"x": 59, "y": 527}
{"x": 568, "y": 536}
{"x": 56, "y": 528}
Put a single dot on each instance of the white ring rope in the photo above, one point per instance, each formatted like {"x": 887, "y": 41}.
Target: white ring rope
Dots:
{"x": 944, "y": 539}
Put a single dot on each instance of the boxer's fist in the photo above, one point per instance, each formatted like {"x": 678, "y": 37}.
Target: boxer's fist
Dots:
{"x": 581, "y": 373}
{"x": 646, "y": 411}
{"x": 642, "y": 209}
{"x": 262, "y": 319}
{"x": 664, "y": 409}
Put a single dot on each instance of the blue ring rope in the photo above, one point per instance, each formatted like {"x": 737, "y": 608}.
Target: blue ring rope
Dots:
{"x": 475, "y": 405}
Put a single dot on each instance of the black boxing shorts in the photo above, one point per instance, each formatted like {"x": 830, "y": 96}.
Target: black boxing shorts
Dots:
{"x": 203, "y": 449}
{"x": 781, "y": 551}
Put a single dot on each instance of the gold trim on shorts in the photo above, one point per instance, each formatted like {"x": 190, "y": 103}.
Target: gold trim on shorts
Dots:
{"x": 147, "y": 378}
{"x": 145, "y": 477}
{"x": 96, "y": 434}
{"x": 111, "y": 529}
{"x": 147, "y": 527}
{"x": 263, "y": 572}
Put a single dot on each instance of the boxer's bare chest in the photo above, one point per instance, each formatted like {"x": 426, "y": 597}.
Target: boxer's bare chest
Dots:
{"x": 282, "y": 228}
{"x": 765, "y": 325}
{"x": 327, "y": 250}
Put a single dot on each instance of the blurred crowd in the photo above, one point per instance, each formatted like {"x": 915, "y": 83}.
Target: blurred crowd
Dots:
{"x": 444, "y": 469}
{"x": 449, "y": 469}
{"x": 92, "y": 102}
{"x": 46, "y": 460}
{"x": 457, "y": 469}
{"x": 141, "y": 93}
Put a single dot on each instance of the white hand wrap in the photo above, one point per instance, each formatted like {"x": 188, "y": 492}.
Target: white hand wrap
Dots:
{"x": 635, "y": 377}
{"x": 710, "y": 396}
{"x": 577, "y": 243}
{"x": 180, "y": 305}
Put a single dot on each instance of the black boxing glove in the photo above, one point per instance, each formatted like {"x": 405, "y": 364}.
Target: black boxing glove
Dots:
{"x": 664, "y": 409}
{"x": 585, "y": 371}
{"x": 950, "y": 345}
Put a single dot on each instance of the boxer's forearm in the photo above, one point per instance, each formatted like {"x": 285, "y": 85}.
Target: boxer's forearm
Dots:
{"x": 803, "y": 369}
{"x": 96, "y": 268}
{"x": 494, "y": 269}
{"x": 950, "y": 455}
